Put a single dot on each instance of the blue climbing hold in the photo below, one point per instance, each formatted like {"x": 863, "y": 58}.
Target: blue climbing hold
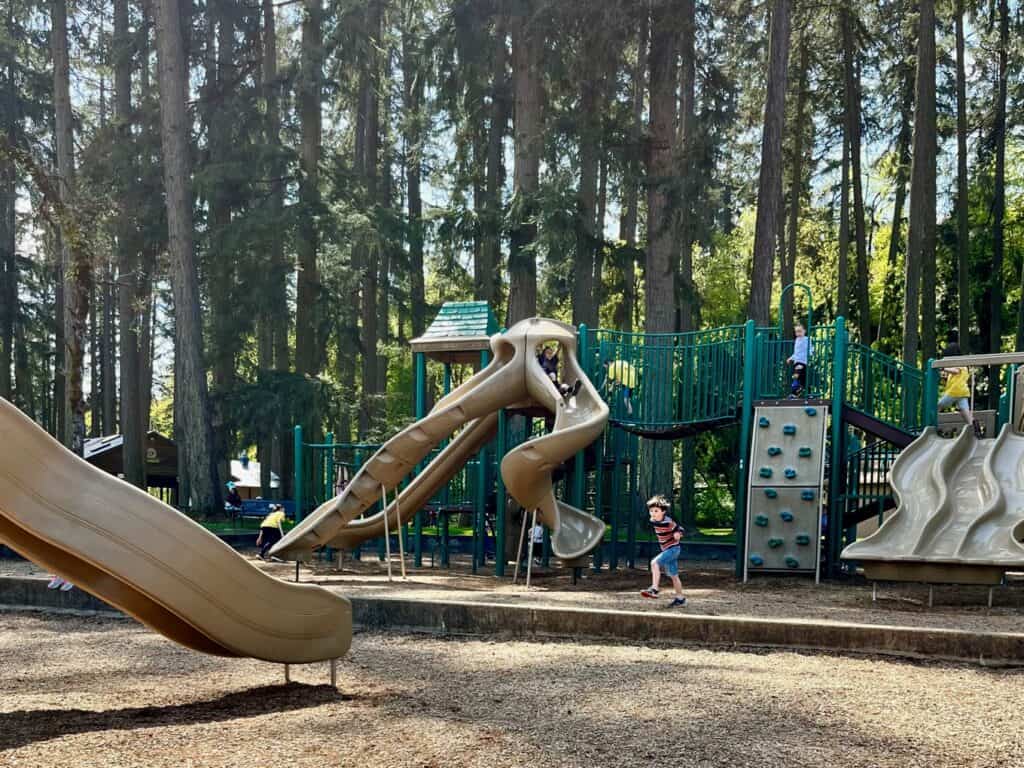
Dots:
{"x": 763, "y": 422}
{"x": 803, "y": 539}
{"x": 810, "y": 410}
{"x": 771, "y": 493}
{"x": 761, "y": 521}
{"x": 804, "y": 452}
{"x": 765, "y": 472}
{"x": 756, "y": 560}
{"x": 774, "y": 450}
{"x": 789, "y": 429}
{"x": 790, "y": 473}
{"x": 792, "y": 562}
{"x": 807, "y": 494}
{"x": 775, "y": 542}
{"x": 786, "y": 515}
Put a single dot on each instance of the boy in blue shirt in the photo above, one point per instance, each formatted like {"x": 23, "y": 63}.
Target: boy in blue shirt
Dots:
{"x": 801, "y": 354}
{"x": 670, "y": 533}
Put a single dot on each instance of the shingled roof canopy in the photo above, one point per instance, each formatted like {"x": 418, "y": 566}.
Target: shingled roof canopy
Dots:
{"x": 461, "y": 330}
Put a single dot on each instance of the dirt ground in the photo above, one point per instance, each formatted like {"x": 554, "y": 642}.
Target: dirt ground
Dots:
{"x": 710, "y": 588}
{"x": 90, "y": 692}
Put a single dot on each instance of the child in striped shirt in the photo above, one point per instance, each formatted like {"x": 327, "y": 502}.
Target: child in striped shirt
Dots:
{"x": 670, "y": 533}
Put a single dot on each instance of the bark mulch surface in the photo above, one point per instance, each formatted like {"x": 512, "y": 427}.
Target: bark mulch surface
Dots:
{"x": 88, "y": 692}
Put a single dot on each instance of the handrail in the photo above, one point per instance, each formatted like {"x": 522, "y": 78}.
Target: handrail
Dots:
{"x": 980, "y": 361}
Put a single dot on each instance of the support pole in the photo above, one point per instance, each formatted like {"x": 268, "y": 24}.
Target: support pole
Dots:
{"x": 401, "y": 532}
{"x": 296, "y": 571}
{"x": 334, "y": 673}
{"x": 529, "y": 556}
{"x": 420, "y": 410}
{"x": 500, "y": 504}
{"x": 930, "y": 407}
{"x": 287, "y": 674}
{"x": 519, "y": 552}
{"x": 298, "y": 472}
{"x": 746, "y": 417}
{"x": 838, "y": 457}
{"x": 387, "y": 533}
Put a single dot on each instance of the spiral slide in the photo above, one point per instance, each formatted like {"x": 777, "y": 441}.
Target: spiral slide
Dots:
{"x": 512, "y": 380}
{"x": 142, "y": 556}
{"x": 960, "y": 517}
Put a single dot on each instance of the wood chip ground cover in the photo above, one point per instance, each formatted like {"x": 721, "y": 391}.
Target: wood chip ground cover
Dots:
{"x": 89, "y": 692}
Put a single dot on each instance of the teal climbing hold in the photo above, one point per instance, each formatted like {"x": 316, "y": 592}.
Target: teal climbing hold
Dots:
{"x": 775, "y": 542}
{"x": 786, "y": 515}
{"x": 774, "y": 450}
{"x": 790, "y": 473}
{"x": 763, "y": 422}
{"x": 810, "y": 410}
{"x": 765, "y": 472}
{"x": 803, "y": 539}
{"x": 804, "y": 452}
{"x": 771, "y": 493}
{"x": 792, "y": 562}
{"x": 756, "y": 560}
{"x": 761, "y": 521}
{"x": 789, "y": 429}
{"x": 807, "y": 494}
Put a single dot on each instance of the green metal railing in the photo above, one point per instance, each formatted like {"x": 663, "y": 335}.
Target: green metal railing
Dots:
{"x": 678, "y": 378}
{"x": 772, "y": 374}
{"x": 867, "y": 477}
{"x": 884, "y": 387}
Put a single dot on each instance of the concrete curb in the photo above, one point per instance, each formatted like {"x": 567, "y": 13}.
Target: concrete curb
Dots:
{"x": 545, "y": 623}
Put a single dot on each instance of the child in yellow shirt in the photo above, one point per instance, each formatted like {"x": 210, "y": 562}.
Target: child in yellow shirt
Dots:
{"x": 957, "y": 392}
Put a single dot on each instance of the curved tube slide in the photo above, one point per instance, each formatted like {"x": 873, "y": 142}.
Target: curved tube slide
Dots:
{"x": 142, "y": 556}
{"x": 512, "y": 380}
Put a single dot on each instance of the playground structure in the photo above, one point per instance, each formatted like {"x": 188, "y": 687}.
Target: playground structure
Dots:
{"x": 871, "y": 407}
{"x": 513, "y": 380}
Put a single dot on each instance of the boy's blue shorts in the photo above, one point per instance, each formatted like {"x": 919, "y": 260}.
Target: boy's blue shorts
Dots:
{"x": 669, "y": 560}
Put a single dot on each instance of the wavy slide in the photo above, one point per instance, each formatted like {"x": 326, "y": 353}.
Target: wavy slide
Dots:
{"x": 512, "y": 380}
{"x": 960, "y": 513}
{"x": 142, "y": 556}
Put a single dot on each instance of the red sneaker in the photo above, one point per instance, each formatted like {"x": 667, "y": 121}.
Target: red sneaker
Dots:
{"x": 649, "y": 592}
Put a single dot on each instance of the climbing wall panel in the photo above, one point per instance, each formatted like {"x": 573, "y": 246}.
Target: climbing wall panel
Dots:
{"x": 785, "y": 495}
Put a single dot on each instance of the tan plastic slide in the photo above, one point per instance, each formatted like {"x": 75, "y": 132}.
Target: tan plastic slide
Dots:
{"x": 514, "y": 380}
{"x": 142, "y": 556}
{"x": 960, "y": 517}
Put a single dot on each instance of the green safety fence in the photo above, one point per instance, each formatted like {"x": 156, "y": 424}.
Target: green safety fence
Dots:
{"x": 867, "y": 477}
{"x": 672, "y": 379}
{"x": 772, "y": 374}
{"x": 884, "y": 387}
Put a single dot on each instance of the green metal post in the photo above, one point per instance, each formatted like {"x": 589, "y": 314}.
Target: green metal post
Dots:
{"x": 420, "y": 407}
{"x": 930, "y": 407}
{"x": 579, "y": 477}
{"x": 599, "y": 494}
{"x": 631, "y": 501}
{"x": 298, "y": 472}
{"x": 480, "y": 503}
{"x": 329, "y": 461}
{"x": 835, "y": 482}
{"x": 613, "y": 555}
{"x": 499, "y": 497}
{"x": 746, "y": 420}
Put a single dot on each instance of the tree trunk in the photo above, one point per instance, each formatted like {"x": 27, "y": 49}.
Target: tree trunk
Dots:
{"x": 890, "y": 288}
{"x": 851, "y": 77}
{"x": 527, "y": 46}
{"x": 108, "y": 354}
{"x": 796, "y": 188}
{"x": 686, "y": 291}
{"x": 631, "y": 182}
{"x": 190, "y": 394}
{"x": 921, "y": 230}
{"x": 659, "y": 287}
{"x": 487, "y": 271}
{"x": 963, "y": 233}
{"x": 414, "y": 79}
{"x": 843, "y": 287}
{"x": 999, "y": 198}
{"x": 75, "y": 259}
{"x": 371, "y": 255}
{"x": 307, "y": 310}
{"x": 584, "y": 305}
{"x": 769, "y": 191}
{"x": 8, "y": 233}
